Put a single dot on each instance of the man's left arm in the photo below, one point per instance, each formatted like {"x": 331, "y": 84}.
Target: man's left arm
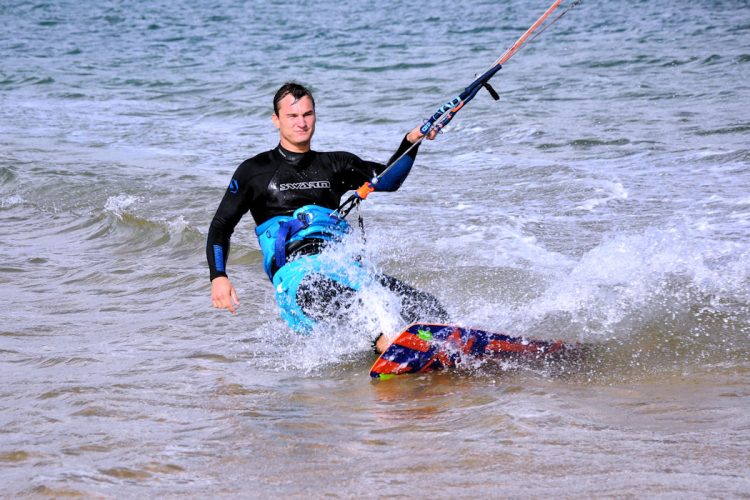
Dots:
{"x": 401, "y": 162}
{"x": 358, "y": 171}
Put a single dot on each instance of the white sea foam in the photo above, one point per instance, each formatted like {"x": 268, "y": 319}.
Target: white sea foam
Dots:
{"x": 497, "y": 245}
{"x": 11, "y": 201}
{"x": 118, "y": 204}
{"x": 606, "y": 191}
{"x": 177, "y": 225}
{"x": 629, "y": 277}
{"x": 346, "y": 336}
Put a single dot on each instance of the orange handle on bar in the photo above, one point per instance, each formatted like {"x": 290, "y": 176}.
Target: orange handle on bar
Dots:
{"x": 364, "y": 190}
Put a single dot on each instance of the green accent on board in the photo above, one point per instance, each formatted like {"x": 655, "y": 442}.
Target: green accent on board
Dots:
{"x": 424, "y": 335}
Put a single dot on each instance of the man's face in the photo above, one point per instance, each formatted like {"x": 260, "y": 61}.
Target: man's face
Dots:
{"x": 296, "y": 123}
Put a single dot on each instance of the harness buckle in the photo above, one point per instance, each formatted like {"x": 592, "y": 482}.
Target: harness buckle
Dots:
{"x": 306, "y": 218}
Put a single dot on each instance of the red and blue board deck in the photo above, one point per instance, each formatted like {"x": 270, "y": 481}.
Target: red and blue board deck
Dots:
{"x": 423, "y": 347}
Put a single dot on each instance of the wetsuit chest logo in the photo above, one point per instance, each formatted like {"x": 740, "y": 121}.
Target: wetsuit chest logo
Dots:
{"x": 293, "y": 186}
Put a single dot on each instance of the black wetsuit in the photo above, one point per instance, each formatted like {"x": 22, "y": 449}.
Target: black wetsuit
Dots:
{"x": 278, "y": 182}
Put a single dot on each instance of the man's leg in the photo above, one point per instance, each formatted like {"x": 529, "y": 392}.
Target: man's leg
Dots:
{"x": 322, "y": 298}
{"x": 416, "y": 305}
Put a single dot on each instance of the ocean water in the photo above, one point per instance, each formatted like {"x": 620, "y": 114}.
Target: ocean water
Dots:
{"x": 605, "y": 199}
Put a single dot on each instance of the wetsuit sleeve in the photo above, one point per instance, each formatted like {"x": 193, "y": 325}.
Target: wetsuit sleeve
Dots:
{"x": 405, "y": 145}
{"x": 361, "y": 171}
{"x": 400, "y": 166}
{"x": 233, "y": 206}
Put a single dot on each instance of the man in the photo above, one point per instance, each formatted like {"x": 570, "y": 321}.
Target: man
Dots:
{"x": 291, "y": 192}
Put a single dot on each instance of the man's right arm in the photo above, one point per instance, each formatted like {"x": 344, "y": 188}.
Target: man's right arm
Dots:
{"x": 233, "y": 206}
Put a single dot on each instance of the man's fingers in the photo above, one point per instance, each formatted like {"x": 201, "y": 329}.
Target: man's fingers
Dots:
{"x": 232, "y": 300}
{"x": 223, "y": 294}
{"x": 226, "y": 302}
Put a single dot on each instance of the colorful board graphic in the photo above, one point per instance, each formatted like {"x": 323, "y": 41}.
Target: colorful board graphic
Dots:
{"x": 423, "y": 347}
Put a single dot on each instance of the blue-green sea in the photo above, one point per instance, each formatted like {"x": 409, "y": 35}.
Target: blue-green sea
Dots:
{"x": 604, "y": 200}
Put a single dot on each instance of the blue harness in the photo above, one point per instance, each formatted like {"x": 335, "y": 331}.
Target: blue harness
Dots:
{"x": 311, "y": 222}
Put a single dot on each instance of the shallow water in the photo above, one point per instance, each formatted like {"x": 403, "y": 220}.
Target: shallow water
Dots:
{"x": 603, "y": 200}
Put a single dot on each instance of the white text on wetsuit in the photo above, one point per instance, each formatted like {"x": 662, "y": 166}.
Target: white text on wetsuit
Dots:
{"x": 305, "y": 185}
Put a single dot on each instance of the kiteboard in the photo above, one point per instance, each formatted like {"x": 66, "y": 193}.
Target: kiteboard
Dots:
{"x": 424, "y": 347}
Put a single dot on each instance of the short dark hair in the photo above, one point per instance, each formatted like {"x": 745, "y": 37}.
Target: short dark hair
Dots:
{"x": 296, "y": 90}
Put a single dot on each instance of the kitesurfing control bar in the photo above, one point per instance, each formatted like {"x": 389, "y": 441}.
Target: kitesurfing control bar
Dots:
{"x": 447, "y": 111}
{"x": 451, "y": 107}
